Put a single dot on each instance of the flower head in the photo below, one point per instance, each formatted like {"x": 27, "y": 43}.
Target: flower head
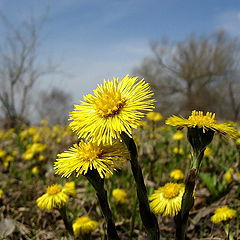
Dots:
{"x": 228, "y": 176}
{"x": 223, "y": 213}
{"x": 119, "y": 195}
{"x": 205, "y": 122}
{"x": 87, "y": 156}
{"x": 167, "y": 200}
{"x": 207, "y": 152}
{"x": 177, "y": 150}
{"x": 178, "y": 136}
{"x": 69, "y": 188}
{"x": 116, "y": 106}
{"x": 53, "y": 198}
{"x": 154, "y": 116}
{"x": 177, "y": 174}
{"x": 84, "y": 225}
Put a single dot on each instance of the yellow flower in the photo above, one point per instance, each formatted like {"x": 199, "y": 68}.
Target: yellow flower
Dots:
{"x": 28, "y": 155}
{"x": 228, "y": 176}
{"x": 58, "y": 140}
{"x": 44, "y": 122}
{"x": 69, "y": 188}
{"x": 154, "y": 116}
{"x": 117, "y": 106}
{"x": 84, "y": 225}
{"x": 178, "y": 136}
{"x": 119, "y": 195}
{"x": 206, "y": 122}
{"x": 87, "y": 156}
{"x": 167, "y": 200}
{"x": 35, "y": 170}
{"x": 238, "y": 141}
{"x": 177, "y": 150}
{"x": 1, "y": 193}
{"x": 3, "y": 153}
{"x": 223, "y": 213}
{"x": 53, "y": 198}
{"x": 177, "y": 174}
{"x": 207, "y": 152}
{"x": 9, "y": 158}
{"x": 41, "y": 158}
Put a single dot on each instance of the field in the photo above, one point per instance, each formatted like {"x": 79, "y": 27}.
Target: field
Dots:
{"x": 27, "y": 156}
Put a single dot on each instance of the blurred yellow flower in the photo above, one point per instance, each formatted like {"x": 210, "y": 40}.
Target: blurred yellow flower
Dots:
{"x": 167, "y": 200}
{"x": 178, "y": 136}
{"x": 207, "y": 152}
{"x": 1, "y": 193}
{"x": 35, "y": 170}
{"x": 223, "y": 213}
{"x": 238, "y": 141}
{"x": 9, "y": 158}
{"x": 177, "y": 174}
{"x": 154, "y": 116}
{"x": 206, "y": 122}
{"x": 53, "y": 198}
{"x": 117, "y": 106}
{"x": 44, "y": 122}
{"x": 69, "y": 188}
{"x": 3, "y": 153}
{"x": 58, "y": 140}
{"x": 84, "y": 225}
{"x": 228, "y": 176}
{"x": 41, "y": 157}
{"x": 177, "y": 150}
{"x": 87, "y": 156}
{"x": 119, "y": 195}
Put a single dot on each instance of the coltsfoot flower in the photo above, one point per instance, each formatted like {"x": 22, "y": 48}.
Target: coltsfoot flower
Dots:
{"x": 119, "y": 195}
{"x": 201, "y": 128}
{"x": 178, "y": 136}
{"x": 69, "y": 188}
{"x": 84, "y": 225}
{"x": 177, "y": 174}
{"x": 223, "y": 213}
{"x": 228, "y": 176}
{"x": 53, "y": 198}
{"x": 154, "y": 116}
{"x": 87, "y": 156}
{"x": 206, "y": 122}
{"x": 177, "y": 150}
{"x": 167, "y": 200}
{"x": 116, "y": 106}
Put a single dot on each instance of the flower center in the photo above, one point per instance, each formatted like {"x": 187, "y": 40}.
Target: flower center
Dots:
{"x": 109, "y": 103}
{"x": 54, "y": 189}
{"x": 89, "y": 152}
{"x": 170, "y": 190}
{"x": 198, "y": 119}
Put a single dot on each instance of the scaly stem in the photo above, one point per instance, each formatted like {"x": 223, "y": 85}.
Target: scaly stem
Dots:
{"x": 149, "y": 220}
{"x": 98, "y": 184}
{"x": 181, "y": 220}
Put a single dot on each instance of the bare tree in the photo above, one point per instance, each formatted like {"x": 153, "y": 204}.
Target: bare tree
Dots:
{"x": 54, "y": 106}
{"x": 199, "y": 73}
{"x": 19, "y": 66}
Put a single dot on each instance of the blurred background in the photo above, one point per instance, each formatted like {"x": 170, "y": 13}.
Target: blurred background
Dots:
{"x": 53, "y": 52}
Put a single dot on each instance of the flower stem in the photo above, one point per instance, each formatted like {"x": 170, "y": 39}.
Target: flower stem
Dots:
{"x": 67, "y": 223}
{"x": 149, "y": 220}
{"x": 181, "y": 220}
{"x": 98, "y": 183}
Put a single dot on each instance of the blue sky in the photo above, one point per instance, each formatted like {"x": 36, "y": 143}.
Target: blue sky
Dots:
{"x": 94, "y": 40}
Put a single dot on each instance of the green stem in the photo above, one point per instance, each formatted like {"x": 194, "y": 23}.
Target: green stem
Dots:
{"x": 181, "y": 220}
{"x": 67, "y": 223}
{"x": 149, "y": 220}
{"x": 98, "y": 183}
